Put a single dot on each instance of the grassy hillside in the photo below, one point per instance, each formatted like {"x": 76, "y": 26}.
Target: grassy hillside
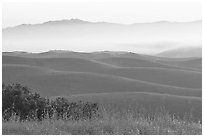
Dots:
{"x": 109, "y": 60}
{"x": 131, "y": 62}
{"x": 150, "y": 73}
{"x": 146, "y": 103}
{"x": 52, "y": 83}
{"x": 192, "y": 63}
{"x": 172, "y": 77}
{"x": 57, "y": 63}
{"x": 151, "y": 61}
{"x": 136, "y": 95}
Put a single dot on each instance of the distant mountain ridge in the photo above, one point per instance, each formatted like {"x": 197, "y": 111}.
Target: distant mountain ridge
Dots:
{"x": 64, "y": 22}
{"x": 79, "y": 21}
{"x": 84, "y": 36}
{"x": 69, "y": 51}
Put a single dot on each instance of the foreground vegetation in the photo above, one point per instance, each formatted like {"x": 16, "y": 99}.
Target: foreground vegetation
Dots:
{"x": 28, "y": 113}
{"x": 162, "y": 124}
{"x": 18, "y": 101}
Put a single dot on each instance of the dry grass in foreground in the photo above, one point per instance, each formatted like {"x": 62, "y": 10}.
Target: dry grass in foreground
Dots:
{"x": 109, "y": 124}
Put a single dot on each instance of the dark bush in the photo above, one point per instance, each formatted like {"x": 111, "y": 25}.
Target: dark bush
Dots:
{"x": 74, "y": 110}
{"x": 18, "y": 100}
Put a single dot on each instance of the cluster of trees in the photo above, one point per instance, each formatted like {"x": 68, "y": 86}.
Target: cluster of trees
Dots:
{"x": 20, "y": 101}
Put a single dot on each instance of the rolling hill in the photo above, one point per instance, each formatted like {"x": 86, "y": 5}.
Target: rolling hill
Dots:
{"x": 190, "y": 63}
{"x": 122, "y": 59}
{"x": 136, "y": 69}
{"x": 53, "y": 83}
{"x": 121, "y": 80}
{"x": 152, "y": 102}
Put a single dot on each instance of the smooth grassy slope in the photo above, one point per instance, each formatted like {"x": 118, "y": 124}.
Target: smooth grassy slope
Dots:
{"x": 131, "y": 62}
{"x": 124, "y": 60}
{"x": 172, "y": 77}
{"x": 191, "y": 63}
{"x": 57, "y": 63}
{"x": 151, "y": 61}
{"x": 53, "y": 83}
{"x": 66, "y": 63}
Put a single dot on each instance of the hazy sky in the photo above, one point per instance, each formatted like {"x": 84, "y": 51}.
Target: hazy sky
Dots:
{"x": 128, "y": 12}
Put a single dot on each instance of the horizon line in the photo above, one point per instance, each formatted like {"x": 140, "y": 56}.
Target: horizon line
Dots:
{"x": 96, "y": 51}
{"x": 72, "y": 19}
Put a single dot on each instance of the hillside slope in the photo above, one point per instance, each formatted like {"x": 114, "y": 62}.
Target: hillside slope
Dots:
{"x": 152, "y": 102}
{"x": 141, "y": 69}
{"x": 191, "y": 63}
{"x": 53, "y": 83}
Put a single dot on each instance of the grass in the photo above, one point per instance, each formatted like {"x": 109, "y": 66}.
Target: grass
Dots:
{"x": 145, "y": 104}
{"x": 110, "y": 123}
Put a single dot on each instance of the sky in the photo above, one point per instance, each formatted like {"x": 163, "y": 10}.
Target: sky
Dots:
{"x": 14, "y": 14}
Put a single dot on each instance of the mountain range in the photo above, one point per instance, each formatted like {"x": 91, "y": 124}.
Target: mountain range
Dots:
{"x": 83, "y": 36}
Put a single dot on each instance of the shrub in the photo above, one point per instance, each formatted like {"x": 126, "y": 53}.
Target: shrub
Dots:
{"x": 73, "y": 110}
{"x": 18, "y": 100}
